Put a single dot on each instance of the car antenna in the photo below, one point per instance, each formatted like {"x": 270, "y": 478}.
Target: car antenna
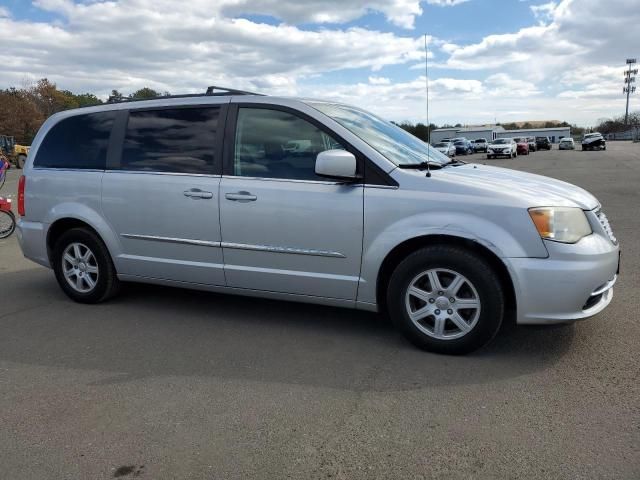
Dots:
{"x": 426, "y": 79}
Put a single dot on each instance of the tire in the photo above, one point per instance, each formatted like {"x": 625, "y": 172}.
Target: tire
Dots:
{"x": 105, "y": 279}
{"x": 7, "y": 223}
{"x": 483, "y": 322}
{"x": 489, "y": 157}
{"x": 21, "y": 161}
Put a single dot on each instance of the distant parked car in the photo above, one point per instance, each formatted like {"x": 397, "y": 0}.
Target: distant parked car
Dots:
{"x": 543, "y": 143}
{"x": 480, "y": 145}
{"x": 567, "y": 143}
{"x": 463, "y": 146}
{"x": 522, "y": 145}
{"x": 594, "y": 141}
{"x": 448, "y": 148}
{"x": 532, "y": 144}
{"x": 502, "y": 147}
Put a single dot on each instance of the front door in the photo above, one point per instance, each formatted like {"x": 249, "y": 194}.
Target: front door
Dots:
{"x": 284, "y": 229}
{"x": 162, "y": 196}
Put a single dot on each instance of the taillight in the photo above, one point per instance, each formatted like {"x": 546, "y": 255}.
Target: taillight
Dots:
{"x": 21, "y": 185}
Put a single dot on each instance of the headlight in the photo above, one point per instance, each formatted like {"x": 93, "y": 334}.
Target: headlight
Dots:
{"x": 561, "y": 224}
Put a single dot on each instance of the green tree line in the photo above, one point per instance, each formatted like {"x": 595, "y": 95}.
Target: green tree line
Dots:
{"x": 23, "y": 110}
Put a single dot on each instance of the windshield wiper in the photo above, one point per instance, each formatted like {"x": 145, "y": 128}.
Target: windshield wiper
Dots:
{"x": 421, "y": 165}
{"x": 455, "y": 163}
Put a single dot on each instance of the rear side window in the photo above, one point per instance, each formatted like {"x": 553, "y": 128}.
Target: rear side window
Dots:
{"x": 78, "y": 142}
{"x": 178, "y": 140}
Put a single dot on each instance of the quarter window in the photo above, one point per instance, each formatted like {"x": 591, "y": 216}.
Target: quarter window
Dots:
{"x": 178, "y": 140}
{"x": 277, "y": 144}
{"x": 78, "y": 142}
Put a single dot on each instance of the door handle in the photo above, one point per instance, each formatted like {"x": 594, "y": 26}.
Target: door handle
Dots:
{"x": 241, "y": 197}
{"x": 197, "y": 193}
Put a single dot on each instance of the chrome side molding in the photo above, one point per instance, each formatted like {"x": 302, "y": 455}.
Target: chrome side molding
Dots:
{"x": 184, "y": 241}
{"x": 272, "y": 249}
{"x": 236, "y": 246}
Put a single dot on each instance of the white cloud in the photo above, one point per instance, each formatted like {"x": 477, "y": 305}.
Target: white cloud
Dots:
{"x": 379, "y": 81}
{"x": 536, "y": 72}
{"x": 132, "y": 43}
{"x": 585, "y": 31}
{"x": 544, "y": 12}
{"x": 446, "y": 3}
{"x": 504, "y": 86}
{"x": 399, "y": 12}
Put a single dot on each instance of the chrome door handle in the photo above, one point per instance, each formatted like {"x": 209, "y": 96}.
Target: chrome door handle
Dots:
{"x": 241, "y": 197}
{"x": 197, "y": 193}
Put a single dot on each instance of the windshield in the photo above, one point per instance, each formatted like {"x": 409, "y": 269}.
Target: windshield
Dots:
{"x": 501, "y": 141}
{"x": 395, "y": 144}
{"x": 441, "y": 145}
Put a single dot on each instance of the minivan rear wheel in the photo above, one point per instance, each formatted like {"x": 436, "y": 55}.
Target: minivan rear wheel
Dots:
{"x": 83, "y": 266}
{"x": 446, "y": 299}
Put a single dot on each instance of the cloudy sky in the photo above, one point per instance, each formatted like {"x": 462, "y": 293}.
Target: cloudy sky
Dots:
{"x": 489, "y": 59}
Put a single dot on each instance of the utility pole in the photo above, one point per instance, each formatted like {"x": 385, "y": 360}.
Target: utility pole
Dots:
{"x": 629, "y": 78}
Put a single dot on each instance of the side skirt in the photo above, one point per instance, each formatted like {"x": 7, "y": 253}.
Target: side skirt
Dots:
{"x": 333, "y": 302}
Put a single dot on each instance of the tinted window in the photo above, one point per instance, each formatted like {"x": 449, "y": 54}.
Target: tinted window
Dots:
{"x": 276, "y": 144}
{"x": 179, "y": 140}
{"x": 77, "y": 142}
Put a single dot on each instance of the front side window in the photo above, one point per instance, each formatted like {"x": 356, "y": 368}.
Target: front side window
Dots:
{"x": 277, "y": 144}
{"x": 78, "y": 142}
{"x": 176, "y": 140}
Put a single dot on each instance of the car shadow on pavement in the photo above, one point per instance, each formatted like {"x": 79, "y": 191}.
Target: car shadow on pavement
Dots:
{"x": 152, "y": 331}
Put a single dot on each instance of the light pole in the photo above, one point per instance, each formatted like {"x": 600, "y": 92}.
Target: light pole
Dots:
{"x": 629, "y": 78}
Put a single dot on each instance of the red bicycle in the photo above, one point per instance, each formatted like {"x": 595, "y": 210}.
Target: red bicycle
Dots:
{"x": 7, "y": 217}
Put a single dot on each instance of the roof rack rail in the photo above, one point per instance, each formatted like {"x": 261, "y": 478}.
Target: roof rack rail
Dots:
{"x": 211, "y": 91}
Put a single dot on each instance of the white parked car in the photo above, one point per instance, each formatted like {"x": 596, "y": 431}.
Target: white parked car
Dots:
{"x": 448, "y": 148}
{"x": 567, "y": 143}
{"x": 502, "y": 147}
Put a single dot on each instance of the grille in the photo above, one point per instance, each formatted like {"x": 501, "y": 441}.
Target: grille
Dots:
{"x": 604, "y": 221}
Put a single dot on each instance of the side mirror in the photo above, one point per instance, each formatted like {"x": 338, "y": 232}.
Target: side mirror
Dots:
{"x": 337, "y": 164}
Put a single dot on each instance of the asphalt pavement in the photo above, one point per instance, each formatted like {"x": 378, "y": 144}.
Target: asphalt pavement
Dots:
{"x": 167, "y": 383}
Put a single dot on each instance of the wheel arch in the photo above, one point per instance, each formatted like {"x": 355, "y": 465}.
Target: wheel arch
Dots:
{"x": 402, "y": 250}
{"x": 64, "y": 224}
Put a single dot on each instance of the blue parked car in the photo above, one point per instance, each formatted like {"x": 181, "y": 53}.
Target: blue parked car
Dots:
{"x": 463, "y": 146}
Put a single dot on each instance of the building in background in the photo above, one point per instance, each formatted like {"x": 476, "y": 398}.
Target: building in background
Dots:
{"x": 496, "y": 131}
{"x": 554, "y": 134}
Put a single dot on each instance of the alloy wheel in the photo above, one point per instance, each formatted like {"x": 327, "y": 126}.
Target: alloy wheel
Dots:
{"x": 80, "y": 267}
{"x": 443, "y": 304}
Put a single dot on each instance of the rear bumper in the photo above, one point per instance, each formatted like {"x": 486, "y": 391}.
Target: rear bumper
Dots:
{"x": 33, "y": 242}
{"x": 574, "y": 283}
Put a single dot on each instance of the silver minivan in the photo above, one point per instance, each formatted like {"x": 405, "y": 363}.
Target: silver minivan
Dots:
{"x": 311, "y": 201}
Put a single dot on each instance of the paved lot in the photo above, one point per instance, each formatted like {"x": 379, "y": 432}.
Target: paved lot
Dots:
{"x": 164, "y": 383}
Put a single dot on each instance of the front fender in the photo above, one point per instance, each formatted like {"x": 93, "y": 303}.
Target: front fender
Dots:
{"x": 465, "y": 225}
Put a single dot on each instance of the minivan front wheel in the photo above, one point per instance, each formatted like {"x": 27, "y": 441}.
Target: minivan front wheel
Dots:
{"x": 446, "y": 299}
{"x": 83, "y": 266}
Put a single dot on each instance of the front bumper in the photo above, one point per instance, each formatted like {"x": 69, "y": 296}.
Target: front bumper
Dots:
{"x": 574, "y": 283}
{"x": 500, "y": 153}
